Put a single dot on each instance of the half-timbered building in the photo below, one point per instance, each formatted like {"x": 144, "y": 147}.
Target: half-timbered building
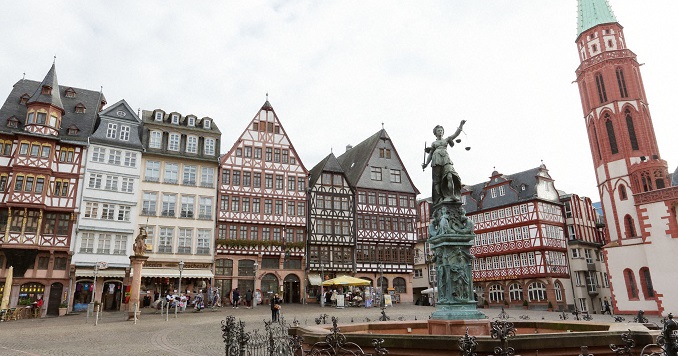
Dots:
{"x": 385, "y": 214}
{"x": 179, "y": 168}
{"x": 262, "y": 213}
{"x": 520, "y": 247}
{"x": 331, "y": 244}
{"x": 108, "y": 208}
{"x": 638, "y": 200}
{"x": 43, "y": 135}
{"x": 585, "y": 239}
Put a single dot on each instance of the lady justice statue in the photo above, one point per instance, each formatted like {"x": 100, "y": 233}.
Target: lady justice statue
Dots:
{"x": 450, "y": 234}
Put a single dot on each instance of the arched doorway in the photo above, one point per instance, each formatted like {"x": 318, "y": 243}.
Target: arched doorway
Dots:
{"x": 291, "y": 288}
{"x": 269, "y": 286}
{"x": 55, "y": 291}
{"x": 111, "y": 294}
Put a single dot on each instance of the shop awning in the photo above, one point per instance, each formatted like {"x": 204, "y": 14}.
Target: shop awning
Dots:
{"x": 174, "y": 273}
{"x": 89, "y": 272}
{"x": 314, "y": 279}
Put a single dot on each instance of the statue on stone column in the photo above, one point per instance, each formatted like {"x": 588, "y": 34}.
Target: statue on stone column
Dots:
{"x": 140, "y": 243}
{"x": 446, "y": 181}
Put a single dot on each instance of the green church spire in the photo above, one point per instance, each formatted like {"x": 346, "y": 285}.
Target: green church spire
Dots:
{"x": 592, "y": 13}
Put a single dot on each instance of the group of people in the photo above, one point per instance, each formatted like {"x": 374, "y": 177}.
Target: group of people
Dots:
{"x": 182, "y": 301}
{"x": 236, "y": 299}
{"x": 353, "y": 298}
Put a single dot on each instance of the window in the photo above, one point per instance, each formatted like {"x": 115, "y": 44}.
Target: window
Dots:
{"x": 631, "y": 286}
{"x": 279, "y": 181}
{"x": 158, "y": 116}
{"x": 268, "y": 181}
{"x": 631, "y": 130}
{"x": 291, "y": 183}
{"x": 301, "y": 184}
{"x": 127, "y": 185}
{"x": 152, "y": 173}
{"x": 256, "y": 181}
{"x": 191, "y": 121}
{"x": 203, "y": 246}
{"x": 375, "y": 173}
{"x": 185, "y": 241}
{"x": 399, "y": 285}
{"x": 622, "y": 83}
{"x": 111, "y": 183}
{"x": 173, "y": 142}
{"x": 98, "y": 154}
{"x": 558, "y": 289}
{"x": 630, "y": 226}
{"x": 149, "y": 203}
{"x": 206, "y": 124}
{"x": 536, "y": 292}
{"x": 209, "y": 146}
{"x": 187, "y": 206}
{"x": 600, "y": 85}
{"x": 114, "y": 157}
{"x": 165, "y": 239}
{"x": 155, "y": 140}
{"x": 189, "y": 175}
{"x": 192, "y": 144}
{"x": 278, "y": 207}
{"x": 276, "y": 155}
{"x": 130, "y": 159}
{"x": 223, "y": 267}
{"x": 120, "y": 245}
{"x": 622, "y": 192}
{"x": 107, "y": 211}
{"x": 91, "y": 210}
{"x": 515, "y": 292}
{"x": 610, "y": 134}
{"x": 496, "y": 293}
{"x": 256, "y": 205}
{"x": 206, "y": 207}
{"x": 124, "y": 213}
{"x": 207, "y": 177}
{"x": 395, "y": 176}
{"x": 168, "y": 204}
{"x": 257, "y": 152}
{"x": 87, "y": 243}
{"x": 384, "y": 153}
{"x": 175, "y": 119}
{"x": 502, "y": 190}
{"x": 171, "y": 175}
{"x": 285, "y": 156}
{"x": 112, "y": 130}
{"x": 124, "y": 132}
{"x": 104, "y": 245}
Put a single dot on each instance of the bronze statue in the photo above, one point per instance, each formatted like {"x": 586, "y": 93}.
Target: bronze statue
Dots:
{"x": 446, "y": 181}
{"x": 139, "y": 243}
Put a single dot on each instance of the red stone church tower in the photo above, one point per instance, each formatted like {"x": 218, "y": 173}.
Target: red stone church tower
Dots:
{"x": 628, "y": 165}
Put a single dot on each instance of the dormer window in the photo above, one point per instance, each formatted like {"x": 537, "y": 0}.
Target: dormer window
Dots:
{"x": 12, "y": 122}
{"x": 206, "y": 124}
{"x": 191, "y": 121}
{"x": 73, "y": 130}
{"x": 24, "y": 99}
{"x": 80, "y": 109}
{"x": 70, "y": 93}
{"x": 175, "y": 119}
{"x": 158, "y": 116}
{"x": 47, "y": 90}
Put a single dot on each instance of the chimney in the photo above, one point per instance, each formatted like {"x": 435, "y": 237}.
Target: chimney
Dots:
{"x": 348, "y": 147}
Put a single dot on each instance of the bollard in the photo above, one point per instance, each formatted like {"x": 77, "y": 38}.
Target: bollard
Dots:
{"x": 136, "y": 310}
{"x": 96, "y": 317}
{"x": 167, "y": 312}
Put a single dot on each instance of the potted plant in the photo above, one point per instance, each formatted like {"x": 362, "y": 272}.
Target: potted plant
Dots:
{"x": 63, "y": 308}
{"x": 525, "y": 306}
{"x": 550, "y": 306}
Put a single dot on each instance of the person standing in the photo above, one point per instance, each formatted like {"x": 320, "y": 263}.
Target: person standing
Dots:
{"x": 236, "y": 298}
{"x": 606, "y": 306}
{"x": 248, "y": 298}
{"x": 275, "y": 308}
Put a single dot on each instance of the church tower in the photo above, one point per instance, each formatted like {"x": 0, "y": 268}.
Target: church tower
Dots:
{"x": 624, "y": 148}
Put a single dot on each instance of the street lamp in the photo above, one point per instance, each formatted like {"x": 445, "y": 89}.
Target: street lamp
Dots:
{"x": 254, "y": 285}
{"x": 176, "y": 303}
{"x": 381, "y": 285}
{"x": 322, "y": 288}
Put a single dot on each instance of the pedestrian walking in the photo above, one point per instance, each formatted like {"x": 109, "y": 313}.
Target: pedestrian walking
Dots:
{"x": 248, "y": 298}
{"x": 606, "y": 306}
{"x": 236, "y": 298}
{"x": 275, "y": 308}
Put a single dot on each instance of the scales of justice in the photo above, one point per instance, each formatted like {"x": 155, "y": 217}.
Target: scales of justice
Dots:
{"x": 450, "y": 233}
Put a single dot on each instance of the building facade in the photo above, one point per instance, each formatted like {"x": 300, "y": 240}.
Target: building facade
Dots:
{"x": 261, "y": 222}
{"x": 423, "y": 279}
{"x": 107, "y": 221}
{"x": 331, "y": 244}
{"x": 385, "y": 214}
{"x": 177, "y": 200}
{"x": 585, "y": 239}
{"x": 43, "y": 129}
{"x": 633, "y": 181}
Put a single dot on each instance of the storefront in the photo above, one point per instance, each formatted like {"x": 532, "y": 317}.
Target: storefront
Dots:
{"x": 160, "y": 278}
{"x": 109, "y": 288}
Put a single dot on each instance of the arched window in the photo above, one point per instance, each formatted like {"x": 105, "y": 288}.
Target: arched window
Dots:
{"x": 223, "y": 267}
{"x": 622, "y": 83}
{"x": 496, "y": 293}
{"x": 622, "y": 192}
{"x": 269, "y": 284}
{"x": 515, "y": 292}
{"x": 659, "y": 179}
{"x": 602, "y": 95}
{"x": 610, "y": 134}
{"x": 383, "y": 283}
{"x": 558, "y": 288}
{"x": 399, "y": 285}
{"x": 595, "y": 136}
{"x": 536, "y": 292}
{"x": 646, "y": 181}
{"x": 631, "y": 130}
{"x": 646, "y": 283}
{"x": 630, "y": 226}
{"x": 631, "y": 286}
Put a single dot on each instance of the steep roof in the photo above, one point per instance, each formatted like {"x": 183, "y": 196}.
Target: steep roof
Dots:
{"x": 54, "y": 98}
{"x": 356, "y": 159}
{"x": 327, "y": 164}
{"x": 592, "y": 13}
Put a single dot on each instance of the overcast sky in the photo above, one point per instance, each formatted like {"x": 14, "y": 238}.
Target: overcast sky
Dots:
{"x": 335, "y": 70}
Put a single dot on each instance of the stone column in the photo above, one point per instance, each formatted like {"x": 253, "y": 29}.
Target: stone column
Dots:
{"x": 137, "y": 263}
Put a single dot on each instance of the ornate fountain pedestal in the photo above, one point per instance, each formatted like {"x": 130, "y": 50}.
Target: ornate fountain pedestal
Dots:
{"x": 451, "y": 237}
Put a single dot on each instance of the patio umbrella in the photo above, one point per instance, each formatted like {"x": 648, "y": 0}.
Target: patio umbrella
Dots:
{"x": 8, "y": 288}
{"x": 346, "y": 281}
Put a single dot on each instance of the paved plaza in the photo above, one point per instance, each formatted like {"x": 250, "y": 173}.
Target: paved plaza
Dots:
{"x": 191, "y": 333}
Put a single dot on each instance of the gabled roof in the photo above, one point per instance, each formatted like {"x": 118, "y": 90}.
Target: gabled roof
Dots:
{"x": 356, "y": 159}
{"x": 54, "y": 98}
{"x": 592, "y": 13}
{"x": 327, "y": 164}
